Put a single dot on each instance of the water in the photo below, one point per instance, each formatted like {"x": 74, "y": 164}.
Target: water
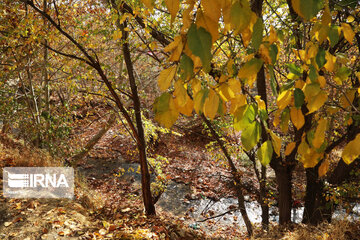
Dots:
{"x": 174, "y": 200}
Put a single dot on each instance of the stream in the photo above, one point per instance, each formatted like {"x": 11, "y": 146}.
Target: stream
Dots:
{"x": 174, "y": 200}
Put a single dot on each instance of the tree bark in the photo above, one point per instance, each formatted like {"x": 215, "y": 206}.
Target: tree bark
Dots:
{"x": 141, "y": 144}
{"x": 316, "y": 209}
{"x": 283, "y": 179}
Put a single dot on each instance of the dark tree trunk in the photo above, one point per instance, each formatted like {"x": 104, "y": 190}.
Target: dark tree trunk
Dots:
{"x": 316, "y": 210}
{"x": 283, "y": 179}
{"x": 141, "y": 144}
{"x": 264, "y": 205}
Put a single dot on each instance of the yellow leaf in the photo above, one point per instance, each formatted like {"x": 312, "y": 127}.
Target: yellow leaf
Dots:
{"x": 326, "y": 17}
{"x": 226, "y": 12}
{"x": 297, "y": 117}
{"x": 235, "y": 85}
{"x": 246, "y": 35}
{"x": 317, "y": 102}
{"x": 225, "y": 92}
{"x": 350, "y": 19}
{"x": 165, "y": 77}
{"x": 212, "y": 9}
{"x": 330, "y": 64}
{"x": 319, "y": 136}
{"x": 195, "y": 86}
{"x": 312, "y": 51}
{"x": 148, "y": 4}
{"x": 322, "y": 33}
{"x": 299, "y": 84}
{"x": 238, "y": 101}
{"x": 173, "y": 7}
{"x": 180, "y": 94}
{"x": 289, "y": 148}
{"x": 260, "y": 103}
{"x": 311, "y": 159}
{"x": 296, "y": 7}
{"x": 277, "y": 117}
{"x": 322, "y": 81}
{"x": 324, "y": 167}
{"x": 117, "y": 35}
{"x": 165, "y": 110}
{"x": 347, "y": 101}
{"x": 211, "y": 104}
{"x": 209, "y": 24}
{"x": 199, "y": 101}
{"x": 276, "y": 143}
{"x": 284, "y": 99}
{"x": 351, "y": 150}
{"x": 187, "y": 108}
{"x": 348, "y": 32}
{"x": 173, "y": 44}
{"x": 265, "y": 54}
{"x": 303, "y": 147}
{"x": 285, "y": 118}
{"x": 272, "y": 36}
{"x": 176, "y": 47}
{"x": 300, "y": 54}
{"x": 230, "y": 67}
{"x": 187, "y": 16}
{"x": 311, "y": 90}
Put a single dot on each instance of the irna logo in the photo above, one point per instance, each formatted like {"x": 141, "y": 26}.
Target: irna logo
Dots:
{"x": 38, "y": 182}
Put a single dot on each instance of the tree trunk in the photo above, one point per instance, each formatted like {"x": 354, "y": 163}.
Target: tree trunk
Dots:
{"x": 315, "y": 210}
{"x": 141, "y": 144}
{"x": 283, "y": 179}
{"x": 46, "y": 83}
{"x": 264, "y": 205}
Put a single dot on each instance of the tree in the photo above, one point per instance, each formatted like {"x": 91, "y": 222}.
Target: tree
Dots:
{"x": 93, "y": 61}
{"x": 287, "y": 82}
{"x": 225, "y": 47}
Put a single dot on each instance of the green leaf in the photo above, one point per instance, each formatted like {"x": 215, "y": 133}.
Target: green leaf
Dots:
{"x": 287, "y": 85}
{"x": 299, "y": 97}
{"x": 199, "y": 100}
{"x": 294, "y": 69}
{"x": 265, "y": 153}
{"x": 320, "y": 58}
{"x": 309, "y": 8}
{"x": 251, "y": 136}
{"x": 257, "y": 33}
{"x": 273, "y": 53}
{"x": 285, "y": 118}
{"x": 313, "y": 73}
{"x": 186, "y": 66}
{"x": 240, "y": 15}
{"x": 334, "y": 35}
{"x": 343, "y": 73}
{"x": 165, "y": 111}
{"x": 199, "y": 41}
{"x": 244, "y": 116}
{"x": 272, "y": 80}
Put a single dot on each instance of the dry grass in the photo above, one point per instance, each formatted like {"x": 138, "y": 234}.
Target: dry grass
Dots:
{"x": 337, "y": 230}
{"x": 14, "y": 153}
